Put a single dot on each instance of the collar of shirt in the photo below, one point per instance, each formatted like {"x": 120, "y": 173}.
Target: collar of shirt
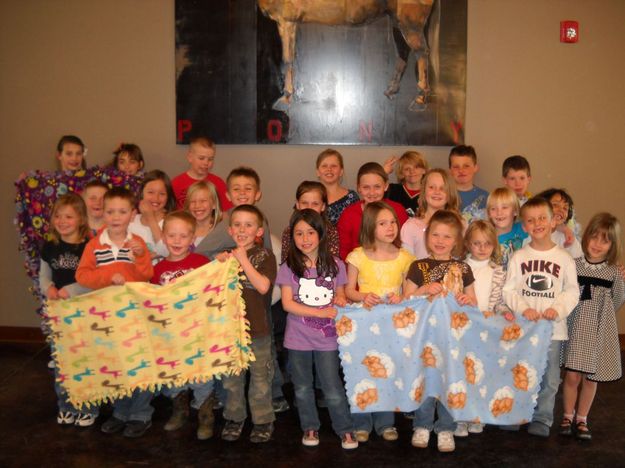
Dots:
{"x": 106, "y": 240}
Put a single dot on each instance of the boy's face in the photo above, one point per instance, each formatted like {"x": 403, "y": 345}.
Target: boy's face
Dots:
{"x": 518, "y": 181}
{"x": 178, "y": 237}
{"x": 502, "y": 215}
{"x": 244, "y": 229}
{"x": 117, "y": 215}
{"x": 94, "y": 200}
{"x": 371, "y": 188}
{"x": 201, "y": 160}
{"x": 243, "y": 191}
{"x": 330, "y": 170}
{"x": 538, "y": 222}
{"x": 463, "y": 169}
{"x": 71, "y": 157}
{"x": 411, "y": 174}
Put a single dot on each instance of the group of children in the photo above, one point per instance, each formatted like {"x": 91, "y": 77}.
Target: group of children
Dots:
{"x": 434, "y": 232}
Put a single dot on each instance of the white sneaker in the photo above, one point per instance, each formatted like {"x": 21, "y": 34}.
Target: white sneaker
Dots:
{"x": 65, "y": 418}
{"x": 84, "y": 419}
{"x": 462, "y": 429}
{"x": 476, "y": 428}
{"x": 446, "y": 441}
{"x": 420, "y": 437}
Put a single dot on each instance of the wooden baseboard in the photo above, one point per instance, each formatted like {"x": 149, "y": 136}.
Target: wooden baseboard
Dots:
{"x": 34, "y": 335}
{"x": 21, "y": 335}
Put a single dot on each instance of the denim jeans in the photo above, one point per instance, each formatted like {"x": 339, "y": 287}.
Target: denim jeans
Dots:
{"x": 201, "y": 392}
{"x": 64, "y": 404}
{"x": 543, "y": 412}
{"x": 135, "y": 407}
{"x": 367, "y": 421}
{"x": 259, "y": 393}
{"x": 327, "y": 367}
{"x": 424, "y": 417}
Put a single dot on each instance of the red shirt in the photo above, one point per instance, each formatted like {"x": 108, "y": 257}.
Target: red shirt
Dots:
{"x": 166, "y": 271}
{"x": 349, "y": 225}
{"x": 182, "y": 182}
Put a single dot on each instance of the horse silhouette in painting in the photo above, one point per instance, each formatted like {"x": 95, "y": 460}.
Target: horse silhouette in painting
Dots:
{"x": 409, "y": 18}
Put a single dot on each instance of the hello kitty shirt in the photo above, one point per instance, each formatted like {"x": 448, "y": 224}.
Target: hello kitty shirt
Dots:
{"x": 311, "y": 333}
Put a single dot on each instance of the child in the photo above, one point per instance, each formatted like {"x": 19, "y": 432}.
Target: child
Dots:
{"x": 517, "y": 176}
{"x": 463, "y": 167}
{"x": 375, "y": 273}
{"x": 330, "y": 171}
{"x": 313, "y": 281}
{"x": 157, "y": 199}
{"x": 112, "y": 258}
{"x": 70, "y": 153}
{"x": 372, "y": 182}
{"x": 128, "y": 158}
{"x": 178, "y": 233}
{"x": 438, "y": 193}
{"x": 592, "y": 354}
{"x": 426, "y": 277}
{"x": 201, "y": 158}
{"x": 59, "y": 259}
{"x": 542, "y": 283}
{"x": 311, "y": 194}
{"x": 410, "y": 169}
{"x": 563, "y": 214}
{"x": 203, "y": 203}
{"x": 484, "y": 259}
{"x": 503, "y": 208}
{"x": 259, "y": 267}
{"x": 93, "y": 195}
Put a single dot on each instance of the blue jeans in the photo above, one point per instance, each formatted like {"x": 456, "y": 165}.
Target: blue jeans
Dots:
{"x": 543, "y": 412}
{"x": 327, "y": 367}
{"x": 201, "y": 392}
{"x": 135, "y": 407}
{"x": 64, "y": 404}
{"x": 259, "y": 393}
{"x": 367, "y": 421}
{"x": 424, "y": 417}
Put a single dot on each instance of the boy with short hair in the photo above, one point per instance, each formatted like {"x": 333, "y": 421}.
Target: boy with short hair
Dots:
{"x": 201, "y": 158}
{"x": 93, "y": 195}
{"x": 463, "y": 167}
{"x": 259, "y": 267}
{"x": 178, "y": 233}
{"x": 542, "y": 284}
{"x": 517, "y": 176}
{"x": 113, "y": 258}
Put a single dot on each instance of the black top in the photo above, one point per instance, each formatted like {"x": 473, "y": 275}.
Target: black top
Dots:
{"x": 63, "y": 259}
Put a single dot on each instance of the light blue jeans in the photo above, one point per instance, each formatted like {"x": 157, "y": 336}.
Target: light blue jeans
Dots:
{"x": 135, "y": 407}
{"x": 543, "y": 412}
{"x": 327, "y": 366}
{"x": 201, "y": 392}
{"x": 367, "y": 421}
{"x": 424, "y": 417}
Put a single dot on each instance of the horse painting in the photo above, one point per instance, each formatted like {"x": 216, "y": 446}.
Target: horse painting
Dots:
{"x": 409, "y": 19}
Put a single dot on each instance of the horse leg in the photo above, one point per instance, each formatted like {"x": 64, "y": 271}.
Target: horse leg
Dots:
{"x": 416, "y": 41}
{"x": 287, "y": 31}
{"x": 403, "y": 50}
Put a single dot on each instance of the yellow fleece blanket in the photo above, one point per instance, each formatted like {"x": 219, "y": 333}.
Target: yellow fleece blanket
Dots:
{"x": 111, "y": 341}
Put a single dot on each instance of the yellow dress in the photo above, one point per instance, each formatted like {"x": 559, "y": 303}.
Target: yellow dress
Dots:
{"x": 380, "y": 277}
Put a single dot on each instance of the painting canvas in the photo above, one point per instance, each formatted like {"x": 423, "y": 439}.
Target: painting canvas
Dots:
{"x": 321, "y": 71}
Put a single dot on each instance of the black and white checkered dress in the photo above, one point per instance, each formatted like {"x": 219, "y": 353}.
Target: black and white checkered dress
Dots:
{"x": 593, "y": 346}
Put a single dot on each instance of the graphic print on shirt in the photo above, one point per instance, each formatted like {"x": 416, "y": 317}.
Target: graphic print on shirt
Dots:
{"x": 317, "y": 292}
{"x": 65, "y": 261}
{"x": 168, "y": 276}
{"x": 540, "y": 278}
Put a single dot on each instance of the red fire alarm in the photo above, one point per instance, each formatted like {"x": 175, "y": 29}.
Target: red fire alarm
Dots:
{"x": 569, "y": 31}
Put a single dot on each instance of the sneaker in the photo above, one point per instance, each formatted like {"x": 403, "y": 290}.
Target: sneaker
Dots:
{"x": 261, "y": 433}
{"x": 476, "y": 428}
{"x": 112, "y": 425}
{"x": 538, "y": 429}
{"x": 462, "y": 430}
{"x": 232, "y": 430}
{"x": 310, "y": 438}
{"x": 136, "y": 429}
{"x": 65, "y": 418}
{"x": 446, "y": 441}
{"x": 349, "y": 441}
{"x": 362, "y": 436}
{"x": 280, "y": 405}
{"x": 390, "y": 434}
{"x": 51, "y": 365}
{"x": 85, "y": 419}
{"x": 420, "y": 437}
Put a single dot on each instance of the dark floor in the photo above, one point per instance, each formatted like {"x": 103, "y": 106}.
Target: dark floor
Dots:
{"x": 29, "y": 435}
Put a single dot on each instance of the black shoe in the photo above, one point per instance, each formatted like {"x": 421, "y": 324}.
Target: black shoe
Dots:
{"x": 280, "y": 405}
{"x": 232, "y": 430}
{"x": 261, "y": 433}
{"x": 566, "y": 427}
{"x": 112, "y": 425}
{"x": 582, "y": 431}
{"x": 136, "y": 429}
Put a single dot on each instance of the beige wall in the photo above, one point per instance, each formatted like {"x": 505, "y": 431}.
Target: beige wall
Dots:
{"x": 104, "y": 70}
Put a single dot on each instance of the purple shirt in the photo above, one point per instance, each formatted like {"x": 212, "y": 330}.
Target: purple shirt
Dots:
{"x": 311, "y": 333}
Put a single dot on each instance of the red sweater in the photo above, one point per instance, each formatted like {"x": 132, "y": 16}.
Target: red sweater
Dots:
{"x": 182, "y": 182}
{"x": 98, "y": 263}
{"x": 349, "y": 225}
